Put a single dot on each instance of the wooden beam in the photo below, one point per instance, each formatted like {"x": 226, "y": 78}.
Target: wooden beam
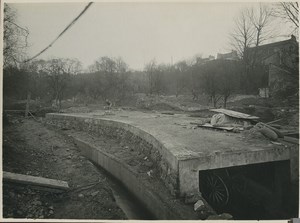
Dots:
{"x": 234, "y": 114}
{"x": 291, "y": 139}
{"x": 35, "y": 181}
{"x": 14, "y": 111}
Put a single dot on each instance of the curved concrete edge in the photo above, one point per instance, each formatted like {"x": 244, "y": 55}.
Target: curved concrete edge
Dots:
{"x": 168, "y": 163}
{"x": 173, "y": 161}
{"x": 137, "y": 185}
{"x": 91, "y": 124}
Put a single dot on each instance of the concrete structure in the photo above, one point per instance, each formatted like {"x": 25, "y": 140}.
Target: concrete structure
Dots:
{"x": 184, "y": 150}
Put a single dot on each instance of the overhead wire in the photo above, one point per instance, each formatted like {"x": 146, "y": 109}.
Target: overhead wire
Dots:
{"x": 69, "y": 26}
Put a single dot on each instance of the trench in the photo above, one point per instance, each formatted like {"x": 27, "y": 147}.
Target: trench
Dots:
{"x": 251, "y": 192}
{"x": 130, "y": 205}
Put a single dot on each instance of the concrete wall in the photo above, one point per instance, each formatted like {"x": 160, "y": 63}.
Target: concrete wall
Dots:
{"x": 179, "y": 174}
{"x": 146, "y": 143}
{"x": 135, "y": 183}
{"x": 189, "y": 169}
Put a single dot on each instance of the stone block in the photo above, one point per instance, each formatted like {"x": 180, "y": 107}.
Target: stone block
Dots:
{"x": 192, "y": 198}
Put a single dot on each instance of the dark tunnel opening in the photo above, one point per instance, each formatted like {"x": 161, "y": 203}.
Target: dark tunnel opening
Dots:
{"x": 251, "y": 192}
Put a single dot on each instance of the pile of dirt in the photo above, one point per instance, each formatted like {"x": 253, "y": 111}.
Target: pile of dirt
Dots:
{"x": 25, "y": 202}
{"x": 31, "y": 148}
{"x": 168, "y": 103}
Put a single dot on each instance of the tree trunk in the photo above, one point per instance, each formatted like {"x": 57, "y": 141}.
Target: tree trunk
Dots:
{"x": 27, "y": 104}
{"x": 225, "y": 101}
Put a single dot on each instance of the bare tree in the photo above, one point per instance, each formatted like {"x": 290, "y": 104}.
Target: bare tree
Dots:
{"x": 150, "y": 69}
{"x": 14, "y": 38}
{"x": 72, "y": 66}
{"x": 289, "y": 11}
{"x": 253, "y": 27}
{"x": 121, "y": 66}
{"x": 181, "y": 69}
{"x": 106, "y": 65}
{"x": 58, "y": 71}
{"x": 261, "y": 19}
{"x": 243, "y": 34}
{"x": 112, "y": 78}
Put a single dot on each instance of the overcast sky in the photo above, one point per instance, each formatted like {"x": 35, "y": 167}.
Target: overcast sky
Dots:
{"x": 137, "y": 32}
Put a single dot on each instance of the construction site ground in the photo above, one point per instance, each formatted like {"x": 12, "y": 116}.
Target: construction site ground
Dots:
{"x": 31, "y": 148}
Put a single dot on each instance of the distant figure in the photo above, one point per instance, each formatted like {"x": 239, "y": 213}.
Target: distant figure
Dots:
{"x": 195, "y": 95}
{"x": 108, "y": 103}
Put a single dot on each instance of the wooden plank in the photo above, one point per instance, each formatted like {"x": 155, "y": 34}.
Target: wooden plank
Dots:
{"x": 207, "y": 125}
{"x": 14, "y": 111}
{"x": 292, "y": 134}
{"x": 274, "y": 121}
{"x": 234, "y": 114}
{"x": 36, "y": 181}
{"x": 291, "y": 139}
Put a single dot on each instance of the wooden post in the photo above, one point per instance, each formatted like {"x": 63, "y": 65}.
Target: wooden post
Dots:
{"x": 27, "y": 104}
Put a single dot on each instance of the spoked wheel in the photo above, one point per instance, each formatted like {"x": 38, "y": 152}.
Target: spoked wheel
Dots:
{"x": 215, "y": 190}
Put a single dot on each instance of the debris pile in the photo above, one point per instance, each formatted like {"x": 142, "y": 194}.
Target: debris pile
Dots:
{"x": 228, "y": 120}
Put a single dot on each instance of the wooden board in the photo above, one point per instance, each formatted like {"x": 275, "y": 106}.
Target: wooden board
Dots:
{"x": 207, "y": 125}
{"x": 36, "y": 181}
{"x": 14, "y": 111}
{"x": 234, "y": 114}
{"x": 291, "y": 139}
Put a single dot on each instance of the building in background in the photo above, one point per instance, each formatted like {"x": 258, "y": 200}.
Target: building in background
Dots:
{"x": 228, "y": 56}
{"x": 281, "y": 61}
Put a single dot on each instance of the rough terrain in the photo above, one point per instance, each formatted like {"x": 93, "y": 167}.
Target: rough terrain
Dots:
{"x": 31, "y": 148}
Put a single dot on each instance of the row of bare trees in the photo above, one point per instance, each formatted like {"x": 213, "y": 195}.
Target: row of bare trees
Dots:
{"x": 111, "y": 78}
{"x": 218, "y": 79}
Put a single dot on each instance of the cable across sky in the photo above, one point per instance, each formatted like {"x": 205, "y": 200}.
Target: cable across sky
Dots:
{"x": 69, "y": 26}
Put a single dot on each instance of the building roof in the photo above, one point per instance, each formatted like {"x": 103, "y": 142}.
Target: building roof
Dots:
{"x": 275, "y": 44}
{"x": 228, "y": 56}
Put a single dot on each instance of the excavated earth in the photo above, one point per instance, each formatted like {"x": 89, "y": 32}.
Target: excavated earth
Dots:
{"x": 35, "y": 148}
{"x": 31, "y": 148}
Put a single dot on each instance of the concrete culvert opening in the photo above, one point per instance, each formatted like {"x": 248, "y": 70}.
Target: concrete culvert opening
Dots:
{"x": 258, "y": 191}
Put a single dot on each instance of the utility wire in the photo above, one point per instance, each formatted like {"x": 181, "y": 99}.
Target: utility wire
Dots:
{"x": 71, "y": 24}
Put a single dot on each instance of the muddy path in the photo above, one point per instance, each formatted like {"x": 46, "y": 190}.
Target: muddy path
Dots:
{"x": 31, "y": 148}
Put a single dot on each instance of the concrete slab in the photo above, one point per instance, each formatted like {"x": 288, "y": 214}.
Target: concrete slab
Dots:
{"x": 189, "y": 149}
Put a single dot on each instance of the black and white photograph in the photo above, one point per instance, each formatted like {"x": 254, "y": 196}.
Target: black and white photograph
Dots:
{"x": 150, "y": 110}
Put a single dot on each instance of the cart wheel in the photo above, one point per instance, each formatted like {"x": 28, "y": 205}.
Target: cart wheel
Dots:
{"x": 215, "y": 190}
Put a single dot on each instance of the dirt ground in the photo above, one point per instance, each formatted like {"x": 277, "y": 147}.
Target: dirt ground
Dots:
{"x": 31, "y": 148}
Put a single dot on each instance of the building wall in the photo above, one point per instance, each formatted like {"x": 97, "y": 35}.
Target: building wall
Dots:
{"x": 282, "y": 59}
{"x": 281, "y": 83}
